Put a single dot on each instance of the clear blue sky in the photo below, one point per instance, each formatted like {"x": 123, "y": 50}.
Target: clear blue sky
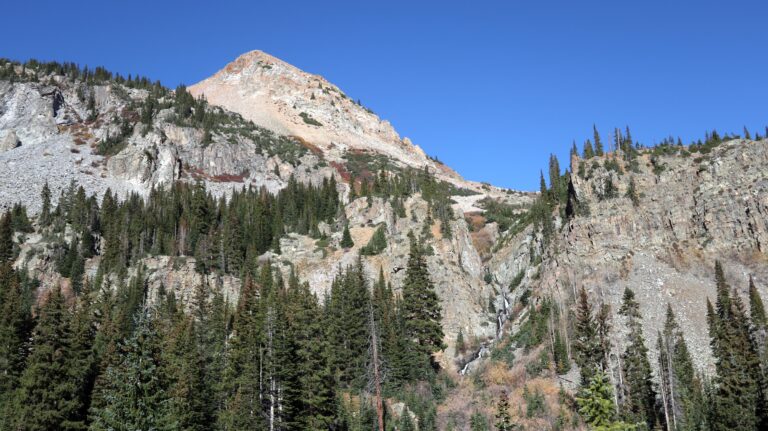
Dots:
{"x": 491, "y": 88}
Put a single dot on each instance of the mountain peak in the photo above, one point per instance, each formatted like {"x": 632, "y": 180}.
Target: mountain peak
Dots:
{"x": 279, "y": 96}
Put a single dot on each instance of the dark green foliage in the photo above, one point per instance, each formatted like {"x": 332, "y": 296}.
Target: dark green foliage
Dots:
{"x": 588, "y": 152}
{"x": 560, "y": 354}
{"x": 347, "y": 317}
{"x": 346, "y": 238}
{"x": 377, "y": 244}
{"x": 535, "y": 330}
{"x": 595, "y": 401}
{"x": 187, "y": 220}
{"x": 598, "y": 142}
{"x": 421, "y": 308}
{"x": 632, "y": 192}
{"x": 7, "y": 253}
{"x": 47, "y": 397}
{"x": 15, "y": 327}
{"x": 135, "y": 394}
{"x": 503, "y": 417}
{"x": 535, "y": 404}
{"x": 478, "y": 422}
{"x": 637, "y": 395}
{"x": 586, "y": 343}
{"x": 504, "y": 214}
{"x": 680, "y": 388}
{"x": 309, "y": 120}
{"x": 738, "y": 399}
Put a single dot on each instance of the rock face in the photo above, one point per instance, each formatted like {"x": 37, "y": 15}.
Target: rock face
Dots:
{"x": 692, "y": 210}
{"x": 305, "y": 128}
{"x": 280, "y": 97}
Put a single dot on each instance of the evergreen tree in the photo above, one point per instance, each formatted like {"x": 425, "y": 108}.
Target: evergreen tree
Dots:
{"x": 586, "y": 344}
{"x": 7, "y": 254}
{"x": 639, "y": 398}
{"x": 595, "y": 402}
{"x": 242, "y": 404}
{"x": 45, "y": 212}
{"x": 680, "y": 389}
{"x": 738, "y": 403}
{"x": 421, "y": 307}
{"x": 346, "y": 238}
{"x": 347, "y": 325}
{"x": 135, "y": 397}
{"x": 317, "y": 393}
{"x": 15, "y": 327}
{"x": 377, "y": 244}
{"x": 190, "y": 395}
{"x": 588, "y": 152}
{"x": 598, "y": 142}
{"x": 47, "y": 397}
{"x": 460, "y": 345}
{"x": 503, "y": 417}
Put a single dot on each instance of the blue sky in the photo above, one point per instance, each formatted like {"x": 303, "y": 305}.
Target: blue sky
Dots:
{"x": 491, "y": 88}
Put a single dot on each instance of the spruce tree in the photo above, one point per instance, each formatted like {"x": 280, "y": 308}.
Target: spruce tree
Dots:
{"x": 598, "y": 142}
{"x": 6, "y": 239}
{"x": 588, "y": 152}
{"x": 503, "y": 417}
{"x": 738, "y": 401}
{"x": 135, "y": 396}
{"x": 45, "y": 212}
{"x": 15, "y": 327}
{"x": 680, "y": 389}
{"x": 191, "y": 398}
{"x": 639, "y": 398}
{"x": 346, "y": 238}
{"x": 595, "y": 403}
{"x": 586, "y": 344}
{"x": 47, "y": 397}
{"x": 421, "y": 307}
{"x": 242, "y": 397}
{"x": 377, "y": 244}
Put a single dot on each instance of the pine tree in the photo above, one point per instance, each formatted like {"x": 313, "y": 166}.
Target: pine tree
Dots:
{"x": 421, "y": 307}
{"x": 45, "y": 212}
{"x": 346, "y": 238}
{"x": 377, "y": 244}
{"x": 15, "y": 327}
{"x": 191, "y": 398}
{"x": 317, "y": 391}
{"x": 82, "y": 362}
{"x": 586, "y": 344}
{"x": 595, "y": 402}
{"x": 347, "y": 325}
{"x": 598, "y": 142}
{"x": 135, "y": 396}
{"x": 680, "y": 389}
{"x": 242, "y": 397}
{"x": 588, "y": 152}
{"x": 6, "y": 239}
{"x": 737, "y": 398}
{"x": 47, "y": 397}
{"x": 639, "y": 398}
{"x": 503, "y": 417}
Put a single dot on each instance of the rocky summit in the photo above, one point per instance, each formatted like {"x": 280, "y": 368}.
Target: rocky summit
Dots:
{"x": 289, "y": 224}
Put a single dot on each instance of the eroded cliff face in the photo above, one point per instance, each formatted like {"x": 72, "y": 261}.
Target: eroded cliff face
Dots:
{"x": 53, "y": 131}
{"x": 48, "y": 133}
{"x": 692, "y": 209}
